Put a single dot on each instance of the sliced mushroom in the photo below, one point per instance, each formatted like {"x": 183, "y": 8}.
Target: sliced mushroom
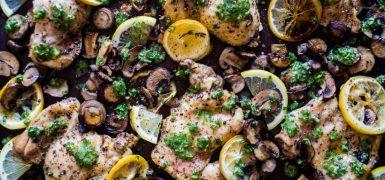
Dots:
{"x": 138, "y": 5}
{"x": 90, "y": 45}
{"x": 338, "y": 31}
{"x": 279, "y": 55}
{"x": 88, "y": 95}
{"x": 32, "y": 74}
{"x": 14, "y": 47}
{"x": 59, "y": 91}
{"x": 252, "y": 133}
{"x": 149, "y": 99}
{"x": 317, "y": 46}
{"x": 128, "y": 71}
{"x": 93, "y": 113}
{"x": 366, "y": 62}
{"x": 21, "y": 31}
{"x": 115, "y": 125}
{"x": 265, "y": 150}
{"x": 269, "y": 166}
{"x": 9, "y": 65}
{"x": 336, "y": 69}
{"x": 105, "y": 73}
{"x": 307, "y": 152}
{"x": 106, "y": 93}
{"x": 156, "y": 78}
{"x": 314, "y": 65}
{"x": 105, "y": 49}
{"x": 378, "y": 49}
{"x": 229, "y": 58}
{"x": 262, "y": 62}
{"x": 93, "y": 82}
{"x": 10, "y": 95}
{"x": 302, "y": 49}
{"x": 262, "y": 98}
{"x": 104, "y": 18}
{"x": 236, "y": 81}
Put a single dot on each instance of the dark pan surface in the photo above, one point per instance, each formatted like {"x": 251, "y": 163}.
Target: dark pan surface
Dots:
{"x": 143, "y": 148}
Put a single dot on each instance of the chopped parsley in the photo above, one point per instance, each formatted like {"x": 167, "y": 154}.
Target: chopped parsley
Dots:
{"x": 217, "y": 94}
{"x": 345, "y": 146}
{"x": 54, "y": 82}
{"x": 46, "y": 52}
{"x": 335, "y": 166}
{"x": 370, "y": 24}
{"x": 12, "y": 25}
{"x": 40, "y": 13}
{"x": 233, "y": 11}
{"x": 119, "y": 88}
{"x": 34, "y": 132}
{"x": 121, "y": 110}
{"x": 335, "y": 136}
{"x": 203, "y": 143}
{"x": 181, "y": 143}
{"x": 290, "y": 126}
{"x": 19, "y": 78}
{"x": 183, "y": 72}
{"x": 5, "y": 140}
{"x": 61, "y": 18}
{"x": 81, "y": 67}
{"x": 55, "y": 126}
{"x": 316, "y": 132}
{"x": 120, "y": 17}
{"x": 293, "y": 105}
{"x": 195, "y": 175}
{"x": 85, "y": 154}
{"x": 231, "y": 103}
{"x": 306, "y": 116}
{"x": 192, "y": 127}
{"x": 153, "y": 54}
{"x": 357, "y": 168}
{"x": 195, "y": 89}
{"x": 381, "y": 79}
{"x": 238, "y": 168}
{"x": 345, "y": 55}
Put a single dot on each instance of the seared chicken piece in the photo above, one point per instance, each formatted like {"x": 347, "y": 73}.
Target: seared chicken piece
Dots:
{"x": 57, "y": 30}
{"x": 212, "y": 172}
{"x": 345, "y": 12}
{"x": 338, "y": 143}
{"x": 51, "y": 149}
{"x": 235, "y": 34}
{"x": 198, "y": 126}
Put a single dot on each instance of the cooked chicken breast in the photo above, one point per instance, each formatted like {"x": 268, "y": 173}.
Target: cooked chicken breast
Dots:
{"x": 52, "y": 152}
{"x": 212, "y": 172}
{"x": 201, "y": 120}
{"x": 346, "y": 12}
{"x": 338, "y": 143}
{"x": 67, "y": 40}
{"x": 236, "y": 34}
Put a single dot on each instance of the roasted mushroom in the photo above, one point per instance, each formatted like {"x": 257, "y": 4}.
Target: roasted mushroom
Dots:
{"x": 115, "y": 124}
{"x": 32, "y": 73}
{"x": 10, "y": 94}
{"x": 229, "y": 58}
{"x": 262, "y": 62}
{"x": 105, "y": 73}
{"x": 56, "y": 87}
{"x": 88, "y": 95}
{"x": 302, "y": 49}
{"x": 93, "y": 113}
{"x": 236, "y": 81}
{"x": 138, "y": 5}
{"x": 279, "y": 55}
{"x": 104, "y": 18}
{"x": 14, "y": 47}
{"x": 9, "y": 65}
{"x": 106, "y": 93}
{"x": 317, "y": 46}
{"x": 252, "y": 132}
{"x": 16, "y": 26}
{"x": 105, "y": 49}
{"x": 90, "y": 45}
{"x": 269, "y": 166}
{"x": 378, "y": 49}
{"x": 93, "y": 83}
{"x": 267, "y": 106}
{"x": 265, "y": 150}
{"x": 338, "y": 31}
{"x": 156, "y": 78}
{"x": 366, "y": 62}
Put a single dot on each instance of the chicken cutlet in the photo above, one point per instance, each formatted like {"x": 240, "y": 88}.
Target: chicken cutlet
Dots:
{"x": 338, "y": 151}
{"x": 200, "y": 124}
{"x": 53, "y": 139}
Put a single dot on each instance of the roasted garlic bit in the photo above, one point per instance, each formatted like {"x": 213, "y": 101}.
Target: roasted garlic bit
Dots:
{"x": 93, "y": 113}
{"x": 90, "y": 45}
{"x": 16, "y": 26}
{"x": 279, "y": 55}
{"x": 56, "y": 87}
{"x": 104, "y": 18}
{"x": 9, "y": 65}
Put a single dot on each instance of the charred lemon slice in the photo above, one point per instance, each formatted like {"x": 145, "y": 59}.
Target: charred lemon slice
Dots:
{"x": 362, "y": 104}
{"x": 19, "y": 104}
{"x": 130, "y": 167}
{"x": 187, "y": 39}
{"x": 259, "y": 80}
{"x": 233, "y": 157}
{"x": 294, "y": 20}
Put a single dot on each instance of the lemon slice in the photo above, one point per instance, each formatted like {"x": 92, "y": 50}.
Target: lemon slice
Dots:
{"x": 294, "y": 20}
{"x": 91, "y": 2}
{"x": 26, "y": 104}
{"x": 130, "y": 167}
{"x": 11, "y": 6}
{"x": 231, "y": 153}
{"x": 362, "y": 104}
{"x": 9, "y": 168}
{"x": 379, "y": 173}
{"x": 187, "y": 39}
{"x": 259, "y": 80}
{"x": 146, "y": 123}
{"x": 136, "y": 30}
